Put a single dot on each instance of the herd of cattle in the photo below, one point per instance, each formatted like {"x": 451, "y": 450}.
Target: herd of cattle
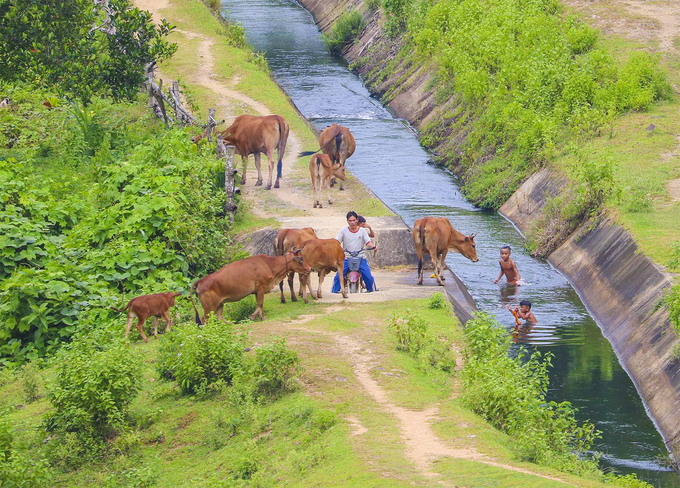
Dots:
{"x": 251, "y": 134}
{"x": 296, "y": 251}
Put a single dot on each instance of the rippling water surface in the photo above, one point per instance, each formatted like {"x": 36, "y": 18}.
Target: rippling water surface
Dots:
{"x": 391, "y": 162}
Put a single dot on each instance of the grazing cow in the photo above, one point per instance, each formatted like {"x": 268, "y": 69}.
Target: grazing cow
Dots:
{"x": 235, "y": 281}
{"x": 436, "y": 236}
{"x": 285, "y": 240}
{"x": 254, "y": 135}
{"x": 321, "y": 169}
{"x": 145, "y": 306}
{"x": 324, "y": 256}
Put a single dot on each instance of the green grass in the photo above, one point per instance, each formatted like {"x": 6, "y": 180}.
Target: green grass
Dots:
{"x": 302, "y": 439}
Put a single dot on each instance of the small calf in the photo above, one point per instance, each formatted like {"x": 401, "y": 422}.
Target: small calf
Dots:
{"x": 145, "y": 306}
{"x": 322, "y": 169}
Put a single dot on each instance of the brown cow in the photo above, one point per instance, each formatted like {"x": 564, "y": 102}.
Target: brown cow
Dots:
{"x": 321, "y": 169}
{"x": 338, "y": 142}
{"x": 235, "y": 281}
{"x": 436, "y": 236}
{"x": 284, "y": 241}
{"x": 324, "y": 256}
{"x": 145, "y": 306}
{"x": 254, "y": 135}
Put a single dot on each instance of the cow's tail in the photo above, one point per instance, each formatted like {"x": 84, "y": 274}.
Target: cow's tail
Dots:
{"x": 284, "y": 130}
{"x": 191, "y": 291}
{"x": 278, "y": 246}
{"x": 123, "y": 310}
{"x": 421, "y": 238}
{"x": 338, "y": 143}
{"x": 308, "y": 153}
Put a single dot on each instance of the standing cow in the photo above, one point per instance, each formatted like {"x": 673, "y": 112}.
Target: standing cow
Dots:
{"x": 254, "y": 135}
{"x": 322, "y": 169}
{"x": 324, "y": 256}
{"x": 285, "y": 240}
{"x": 436, "y": 236}
{"x": 145, "y": 306}
{"x": 338, "y": 143}
{"x": 235, "y": 281}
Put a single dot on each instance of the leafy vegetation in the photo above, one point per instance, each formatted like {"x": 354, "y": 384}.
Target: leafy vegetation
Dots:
{"x": 510, "y": 392}
{"x": 64, "y": 46}
{"x": 431, "y": 347}
{"x": 96, "y": 202}
{"x": 517, "y": 81}
{"x": 345, "y": 30}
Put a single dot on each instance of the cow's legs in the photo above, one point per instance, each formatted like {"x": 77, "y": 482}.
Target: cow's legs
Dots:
{"x": 420, "y": 252}
{"x": 291, "y": 277}
{"x": 259, "y": 171}
{"x": 259, "y": 311}
{"x": 219, "y": 313}
{"x": 244, "y": 168}
{"x": 271, "y": 161}
{"x": 306, "y": 282}
{"x": 342, "y": 183}
{"x": 283, "y": 297}
{"x": 130, "y": 320}
{"x": 442, "y": 264}
{"x": 168, "y": 322}
{"x": 327, "y": 184}
{"x": 322, "y": 275}
{"x": 155, "y": 327}
{"x": 140, "y": 328}
{"x": 438, "y": 267}
{"x": 343, "y": 281}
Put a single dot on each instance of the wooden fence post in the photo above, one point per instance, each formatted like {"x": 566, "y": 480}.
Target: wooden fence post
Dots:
{"x": 183, "y": 115}
{"x": 230, "y": 188}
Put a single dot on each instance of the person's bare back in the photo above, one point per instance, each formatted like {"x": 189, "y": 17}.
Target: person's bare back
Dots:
{"x": 508, "y": 268}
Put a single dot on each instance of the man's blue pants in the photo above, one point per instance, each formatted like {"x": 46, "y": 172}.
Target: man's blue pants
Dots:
{"x": 365, "y": 274}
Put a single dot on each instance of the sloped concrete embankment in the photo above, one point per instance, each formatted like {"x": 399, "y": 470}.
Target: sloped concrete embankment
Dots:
{"x": 619, "y": 285}
{"x": 621, "y": 288}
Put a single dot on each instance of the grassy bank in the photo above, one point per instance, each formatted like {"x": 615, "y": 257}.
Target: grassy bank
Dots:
{"x": 327, "y": 430}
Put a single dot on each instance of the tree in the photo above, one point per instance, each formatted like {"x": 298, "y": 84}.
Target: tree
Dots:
{"x": 82, "y": 48}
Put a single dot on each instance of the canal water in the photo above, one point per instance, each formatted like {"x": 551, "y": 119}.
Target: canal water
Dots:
{"x": 391, "y": 162}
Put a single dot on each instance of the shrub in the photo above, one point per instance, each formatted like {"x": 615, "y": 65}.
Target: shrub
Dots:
{"x": 420, "y": 341}
{"x": 347, "y": 28}
{"x": 201, "y": 358}
{"x": 510, "y": 393}
{"x": 274, "y": 369}
{"x": 674, "y": 262}
{"x": 31, "y": 382}
{"x": 372, "y": 5}
{"x": 438, "y": 301}
{"x": 93, "y": 387}
{"x": 17, "y": 469}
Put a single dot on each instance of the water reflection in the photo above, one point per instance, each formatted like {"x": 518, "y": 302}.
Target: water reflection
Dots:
{"x": 392, "y": 163}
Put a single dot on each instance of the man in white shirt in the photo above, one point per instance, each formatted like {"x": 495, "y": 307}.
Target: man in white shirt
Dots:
{"x": 354, "y": 238}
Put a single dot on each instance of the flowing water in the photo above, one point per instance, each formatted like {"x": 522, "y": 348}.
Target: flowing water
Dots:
{"x": 391, "y": 162}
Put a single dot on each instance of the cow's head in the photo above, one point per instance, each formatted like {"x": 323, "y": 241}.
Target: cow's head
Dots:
{"x": 338, "y": 170}
{"x": 171, "y": 297}
{"x": 196, "y": 139}
{"x": 468, "y": 248}
{"x": 296, "y": 262}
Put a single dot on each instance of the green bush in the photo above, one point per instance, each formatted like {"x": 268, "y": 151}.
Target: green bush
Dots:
{"x": 93, "y": 388}
{"x": 372, "y": 5}
{"x": 438, "y": 301}
{"x": 201, "y": 358}
{"x": 17, "y": 469}
{"x": 74, "y": 58}
{"x": 273, "y": 370}
{"x": 345, "y": 30}
{"x": 31, "y": 384}
{"x": 430, "y": 348}
{"x": 510, "y": 393}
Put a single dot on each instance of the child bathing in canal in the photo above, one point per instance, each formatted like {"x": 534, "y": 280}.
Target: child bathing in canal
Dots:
{"x": 508, "y": 268}
{"x": 523, "y": 312}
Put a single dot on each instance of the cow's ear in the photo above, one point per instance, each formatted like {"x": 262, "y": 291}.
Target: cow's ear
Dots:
{"x": 467, "y": 239}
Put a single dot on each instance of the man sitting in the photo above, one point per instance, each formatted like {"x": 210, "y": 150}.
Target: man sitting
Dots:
{"x": 353, "y": 238}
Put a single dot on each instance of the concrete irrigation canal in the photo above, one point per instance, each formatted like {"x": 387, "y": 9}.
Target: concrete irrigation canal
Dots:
{"x": 390, "y": 161}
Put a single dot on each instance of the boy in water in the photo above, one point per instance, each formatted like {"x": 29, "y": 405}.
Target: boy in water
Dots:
{"x": 508, "y": 268}
{"x": 524, "y": 312}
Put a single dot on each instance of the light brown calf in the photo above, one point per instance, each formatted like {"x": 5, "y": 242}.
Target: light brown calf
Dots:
{"x": 322, "y": 169}
{"x": 145, "y": 306}
{"x": 285, "y": 240}
{"x": 324, "y": 256}
{"x": 338, "y": 143}
{"x": 235, "y": 281}
{"x": 436, "y": 236}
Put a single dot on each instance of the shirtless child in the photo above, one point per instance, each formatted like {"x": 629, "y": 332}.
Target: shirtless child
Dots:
{"x": 508, "y": 268}
{"x": 524, "y": 312}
